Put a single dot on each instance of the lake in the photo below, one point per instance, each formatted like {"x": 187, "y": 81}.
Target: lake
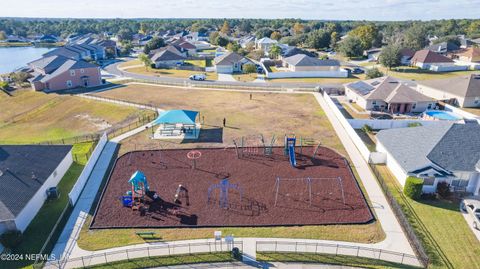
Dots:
{"x": 12, "y": 58}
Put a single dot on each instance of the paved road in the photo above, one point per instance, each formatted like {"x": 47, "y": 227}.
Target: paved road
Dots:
{"x": 114, "y": 70}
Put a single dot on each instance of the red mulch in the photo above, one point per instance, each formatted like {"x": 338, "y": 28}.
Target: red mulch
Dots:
{"x": 256, "y": 176}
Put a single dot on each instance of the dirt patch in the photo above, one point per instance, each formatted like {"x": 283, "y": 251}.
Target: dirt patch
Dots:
{"x": 99, "y": 123}
{"x": 252, "y": 205}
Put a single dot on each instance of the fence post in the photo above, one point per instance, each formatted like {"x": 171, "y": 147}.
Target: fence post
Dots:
{"x": 380, "y": 254}
{"x": 168, "y": 249}
{"x": 316, "y": 248}
{"x": 358, "y": 250}
{"x": 83, "y": 263}
{"x": 128, "y": 257}
{"x": 403, "y": 256}
{"x": 189, "y": 251}
{"x": 276, "y": 243}
{"x": 105, "y": 255}
{"x": 148, "y": 252}
{"x": 296, "y": 245}
{"x": 336, "y": 250}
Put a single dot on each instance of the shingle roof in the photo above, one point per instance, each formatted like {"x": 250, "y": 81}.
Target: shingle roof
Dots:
{"x": 24, "y": 169}
{"x": 267, "y": 40}
{"x": 228, "y": 58}
{"x": 167, "y": 55}
{"x": 406, "y": 52}
{"x": 473, "y": 53}
{"x": 304, "y": 60}
{"x": 464, "y": 86}
{"x": 49, "y": 64}
{"x": 410, "y": 146}
{"x": 459, "y": 148}
{"x": 388, "y": 89}
{"x": 427, "y": 56}
{"x": 63, "y": 52}
{"x": 443, "y": 47}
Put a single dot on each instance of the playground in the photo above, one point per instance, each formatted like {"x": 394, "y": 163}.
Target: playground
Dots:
{"x": 247, "y": 185}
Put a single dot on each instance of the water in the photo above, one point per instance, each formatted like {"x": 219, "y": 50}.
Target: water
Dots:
{"x": 442, "y": 115}
{"x": 12, "y": 58}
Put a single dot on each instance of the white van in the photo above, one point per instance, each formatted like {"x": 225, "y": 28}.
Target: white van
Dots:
{"x": 199, "y": 77}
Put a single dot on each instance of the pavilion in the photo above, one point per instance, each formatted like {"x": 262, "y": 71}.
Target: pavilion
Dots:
{"x": 177, "y": 124}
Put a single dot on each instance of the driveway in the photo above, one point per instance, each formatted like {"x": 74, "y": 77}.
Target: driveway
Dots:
{"x": 226, "y": 77}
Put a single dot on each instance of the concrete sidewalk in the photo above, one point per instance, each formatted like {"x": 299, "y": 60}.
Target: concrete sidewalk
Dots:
{"x": 67, "y": 240}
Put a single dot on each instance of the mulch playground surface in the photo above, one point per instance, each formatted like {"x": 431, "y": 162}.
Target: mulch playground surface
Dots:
{"x": 255, "y": 175}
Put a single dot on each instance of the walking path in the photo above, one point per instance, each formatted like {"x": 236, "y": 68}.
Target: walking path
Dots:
{"x": 239, "y": 265}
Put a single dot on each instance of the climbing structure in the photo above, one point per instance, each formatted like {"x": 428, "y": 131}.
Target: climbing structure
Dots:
{"x": 139, "y": 188}
{"x": 224, "y": 186}
{"x": 290, "y": 149}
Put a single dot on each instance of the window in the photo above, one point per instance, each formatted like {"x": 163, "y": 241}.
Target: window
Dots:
{"x": 374, "y": 102}
{"x": 429, "y": 181}
{"x": 459, "y": 183}
{"x": 72, "y": 73}
{"x": 82, "y": 70}
{"x": 414, "y": 106}
{"x": 69, "y": 83}
{"x": 429, "y": 106}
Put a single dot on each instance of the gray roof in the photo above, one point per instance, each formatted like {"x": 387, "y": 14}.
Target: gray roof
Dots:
{"x": 304, "y": 60}
{"x": 410, "y": 146}
{"x": 459, "y": 148}
{"x": 387, "y": 89}
{"x": 24, "y": 169}
{"x": 49, "y": 64}
{"x": 228, "y": 58}
{"x": 464, "y": 86}
{"x": 63, "y": 51}
{"x": 167, "y": 55}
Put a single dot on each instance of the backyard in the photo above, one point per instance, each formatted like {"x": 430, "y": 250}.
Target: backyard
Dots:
{"x": 30, "y": 116}
{"x": 414, "y": 73}
{"x": 135, "y": 66}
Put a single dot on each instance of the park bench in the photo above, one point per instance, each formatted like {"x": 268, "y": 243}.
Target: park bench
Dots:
{"x": 143, "y": 234}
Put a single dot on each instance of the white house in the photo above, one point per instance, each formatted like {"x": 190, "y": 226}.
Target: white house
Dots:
{"x": 230, "y": 62}
{"x": 427, "y": 59}
{"x": 463, "y": 91}
{"x": 26, "y": 173}
{"x": 387, "y": 94}
{"x": 441, "y": 152}
{"x": 265, "y": 43}
{"x": 301, "y": 65}
{"x": 167, "y": 57}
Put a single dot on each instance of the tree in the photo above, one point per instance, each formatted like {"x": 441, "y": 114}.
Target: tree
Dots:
{"x": 11, "y": 239}
{"x": 145, "y": 60}
{"x": 213, "y": 37}
{"x": 334, "y": 38}
{"x": 256, "y": 54}
{"x": 390, "y": 56}
{"x": 154, "y": 43}
{"x": 19, "y": 77}
{"x": 318, "y": 39}
{"x": 274, "y": 51}
{"x": 126, "y": 49}
{"x": 249, "y": 68}
{"x": 276, "y": 35}
{"x": 263, "y": 32}
{"x": 233, "y": 46}
{"x": 225, "y": 28}
{"x": 413, "y": 187}
{"x": 3, "y": 36}
{"x": 351, "y": 47}
{"x": 143, "y": 28}
{"x": 474, "y": 28}
{"x": 415, "y": 37}
{"x": 368, "y": 34}
{"x": 373, "y": 73}
{"x": 3, "y": 85}
{"x": 222, "y": 41}
{"x": 245, "y": 26}
{"x": 125, "y": 35}
{"x": 298, "y": 28}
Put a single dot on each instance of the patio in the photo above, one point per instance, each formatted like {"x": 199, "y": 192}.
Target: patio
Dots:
{"x": 177, "y": 124}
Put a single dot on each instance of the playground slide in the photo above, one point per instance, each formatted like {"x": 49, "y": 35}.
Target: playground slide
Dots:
{"x": 291, "y": 154}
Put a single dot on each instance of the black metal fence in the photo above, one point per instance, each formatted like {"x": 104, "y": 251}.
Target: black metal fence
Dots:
{"x": 403, "y": 220}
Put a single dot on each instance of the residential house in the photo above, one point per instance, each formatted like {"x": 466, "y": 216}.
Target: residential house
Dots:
{"x": 406, "y": 56}
{"x": 57, "y": 72}
{"x": 196, "y": 36}
{"x": 444, "y": 151}
{"x": 26, "y": 173}
{"x": 167, "y": 57}
{"x": 265, "y": 44}
{"x": 46, "y": 39}
{"x": 462, "y": 91}
{"x": 301, "y": 65}
{"x": 230, "y": 62}
{"x": 469, "y": 55}
{"x": 372, "y": 54}
{"x": 427, "y": 59}
{"x": 465, "y": 42}
{"x": 387, "y": 94}
{"x": 288, "y": 51}
{"x": 79, "y": 52}
{"x": 187, "y": 48}
{"x": 247, "y": 40}
{"x": 444, "y": 47}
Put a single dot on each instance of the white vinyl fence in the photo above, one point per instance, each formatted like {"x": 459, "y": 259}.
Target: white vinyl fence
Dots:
{"x": 82, "y": 180}
{"x": 461, "y": 112}
{"x": 388, "y": 124}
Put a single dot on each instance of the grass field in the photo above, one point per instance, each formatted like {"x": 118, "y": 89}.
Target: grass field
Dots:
{"x": 318, "y": 80}
{"x": 413, "y": 73}
{"x": 130, "y": 63}
{"x": 43, "y": 223}
{"x": 267, "y": 114}
{"x": 30, "y": 116}
{"x": 245, "y": 77}
{"x": 169, "y": 72}
{"x": 199, "y": 63}
{"x": 448, "y": 240}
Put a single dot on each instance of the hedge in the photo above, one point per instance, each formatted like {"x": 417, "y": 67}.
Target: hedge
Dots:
{"x": 413, "y": 187}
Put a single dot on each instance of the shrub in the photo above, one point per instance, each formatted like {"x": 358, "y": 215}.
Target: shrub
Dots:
{"x": 413, "y": 187}
{"x": 414, "y": 124}
{"x": 11, "y": 239}
{"x": 374, "y": 73}
{"x": 443, "y": 189}
{"x": 366, "y": 128}
{"x": 249, "y": 68}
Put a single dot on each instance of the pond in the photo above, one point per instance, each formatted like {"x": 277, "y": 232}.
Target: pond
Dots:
{"x": 12, "y": 58}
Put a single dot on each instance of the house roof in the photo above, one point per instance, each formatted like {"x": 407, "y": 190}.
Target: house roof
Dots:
{"x": 181, "y": 43}
{"x": 24, "y": 169}
{"x": 267, "y": 40}
{"x": 177, "y": 116}
{"x": 387, "y": 89}
{"x": 167, "y": 55}
{"x": 428, "y": 56}
{"x": 228, "y": 58}
{"x": 289, "y": 51}
{"x": 304, "y": 60}
{"x": 443, "y": 47}
{"x": 463, "y": 86}
{"x": 459, "y": 148}
{"x": 410, "y": 146}
{"x": 49, "y": 64}
{"x": 406, "y": 52}
{"x": 473, "y": 53}
{"x": 63, "y": 52}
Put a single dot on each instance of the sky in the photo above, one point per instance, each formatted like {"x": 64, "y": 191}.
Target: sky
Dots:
{"x": 304, "y": 9}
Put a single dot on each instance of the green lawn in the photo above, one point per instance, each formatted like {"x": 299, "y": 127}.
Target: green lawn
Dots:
{"x": 328, "y": 259}
{"x": 199, "y": 63}
{"x": 414, "y": 73}
{"x": 169, "y": 72}
{"x": 167, "y": 261}
{"x": 444, "y": 232}
{"x": 43, "y": 223}
{"x": 245, "y": 77}
{"x": 81, "y": 152}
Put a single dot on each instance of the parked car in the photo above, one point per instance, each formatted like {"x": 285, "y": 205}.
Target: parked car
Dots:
{"x": 198, "y": 77}
{"x": 358, "y": 70}
{"x": 472, "y": 207}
